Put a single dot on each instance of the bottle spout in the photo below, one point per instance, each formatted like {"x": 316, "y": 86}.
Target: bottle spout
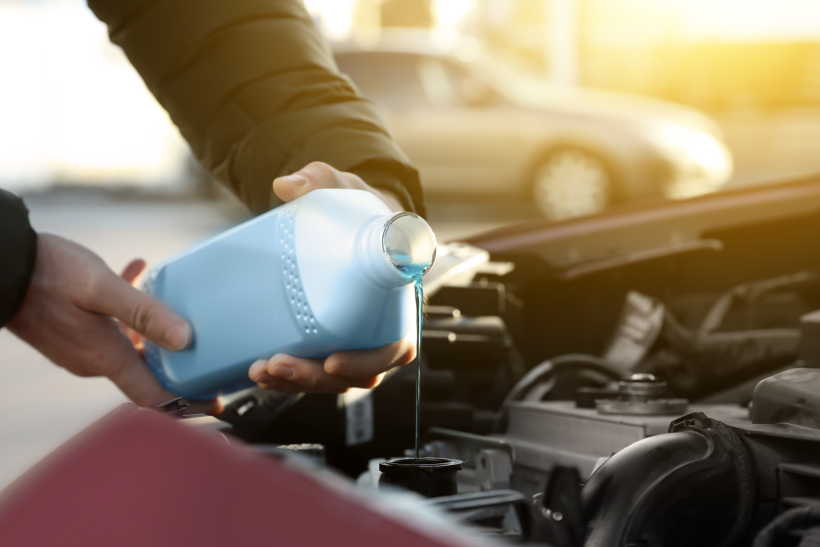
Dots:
{"x": 409, "y": 244}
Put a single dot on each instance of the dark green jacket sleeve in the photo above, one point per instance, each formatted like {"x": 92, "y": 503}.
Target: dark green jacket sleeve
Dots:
{"x": 253, "y": 88}
{"x": 18, "y": 250}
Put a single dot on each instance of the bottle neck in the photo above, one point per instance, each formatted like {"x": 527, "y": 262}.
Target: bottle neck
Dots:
{"x": 396, "y": 249}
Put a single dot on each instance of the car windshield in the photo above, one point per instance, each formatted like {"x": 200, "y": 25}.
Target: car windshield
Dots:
{"x": 389, "y": 79}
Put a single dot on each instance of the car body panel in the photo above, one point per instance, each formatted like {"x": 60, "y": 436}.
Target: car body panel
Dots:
{"x": 652, "y": 225}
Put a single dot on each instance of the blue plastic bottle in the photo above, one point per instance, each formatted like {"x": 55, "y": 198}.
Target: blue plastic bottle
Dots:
{"x": 329, "y": 271}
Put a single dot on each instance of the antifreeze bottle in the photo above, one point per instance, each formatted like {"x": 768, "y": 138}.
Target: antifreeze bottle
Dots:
{"x": 330, "y": 271}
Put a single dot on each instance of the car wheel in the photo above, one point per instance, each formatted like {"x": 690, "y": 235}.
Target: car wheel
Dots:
{"x": 569, "y": 183}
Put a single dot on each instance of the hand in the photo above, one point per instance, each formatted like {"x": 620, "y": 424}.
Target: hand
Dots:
{"x": 88, "y": 320}
{"x": 318, "y": 175}
{"x": 363, "y": 368}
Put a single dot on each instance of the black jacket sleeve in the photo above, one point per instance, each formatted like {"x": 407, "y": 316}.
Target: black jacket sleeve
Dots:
{"x": 254, "y": 89}
{"x": 18, "y": 250}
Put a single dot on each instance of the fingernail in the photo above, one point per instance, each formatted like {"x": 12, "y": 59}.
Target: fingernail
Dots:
{"x": 296, "y": 179}
{"x": 282, "y": 371}
{"x": 266, "y": 380}
{"x": 261, "y": 378}
{"x": 177, "y": 337}
{"x": 258, "y": 370}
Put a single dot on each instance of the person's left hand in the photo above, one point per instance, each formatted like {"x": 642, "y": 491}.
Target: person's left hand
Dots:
{"x": 90, "y": 321}
{"x": 355, "y": 368}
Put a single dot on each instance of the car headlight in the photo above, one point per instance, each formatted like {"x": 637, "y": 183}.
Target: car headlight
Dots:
{"x": 699, "y": 147}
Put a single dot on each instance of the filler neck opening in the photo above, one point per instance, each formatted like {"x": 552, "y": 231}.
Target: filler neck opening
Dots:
{"x": 409, "y": 244}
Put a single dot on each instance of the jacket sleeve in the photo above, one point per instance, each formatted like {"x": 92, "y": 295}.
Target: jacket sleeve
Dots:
{"x": 254, "y": 89}
{"x": 18, "y": 250}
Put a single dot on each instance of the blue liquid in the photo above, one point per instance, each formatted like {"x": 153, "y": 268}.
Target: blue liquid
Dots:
{"x": 414, "y": 271}
{"x": 419, "y": 319}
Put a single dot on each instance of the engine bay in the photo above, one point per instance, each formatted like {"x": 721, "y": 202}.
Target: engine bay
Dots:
{"x": 662, "y": 396}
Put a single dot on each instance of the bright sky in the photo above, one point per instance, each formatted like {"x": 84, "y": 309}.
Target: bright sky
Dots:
{"x": 725, "y": 20}
{"x": 752, "y": 20}
{"x": 707, "y": 20}
{"x": 337, "y": 15}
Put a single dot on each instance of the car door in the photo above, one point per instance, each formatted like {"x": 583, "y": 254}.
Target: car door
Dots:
{"x": 468, "y": 138}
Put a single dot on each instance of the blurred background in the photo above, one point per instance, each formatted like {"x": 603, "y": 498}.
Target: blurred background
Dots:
{"x": 512, "y": 109}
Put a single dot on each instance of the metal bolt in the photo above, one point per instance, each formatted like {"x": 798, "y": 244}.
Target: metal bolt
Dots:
{"x": 642, "y": 377}
{"x": 552, "y": 515}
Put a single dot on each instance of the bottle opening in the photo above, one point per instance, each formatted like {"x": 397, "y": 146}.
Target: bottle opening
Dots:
{"x": 409, "y": 244}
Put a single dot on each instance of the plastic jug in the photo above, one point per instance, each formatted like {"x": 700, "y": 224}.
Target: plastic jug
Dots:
{"x": 330, "y": 271}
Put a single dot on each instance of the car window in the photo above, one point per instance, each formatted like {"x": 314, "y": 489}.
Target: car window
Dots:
{"x": 436, "y": 83}
{"x": 469, "y": 88}
{"x": 388, "y": 79}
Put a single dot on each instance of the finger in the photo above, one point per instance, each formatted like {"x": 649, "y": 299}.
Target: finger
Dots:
{"x": 133, "y": 270}
{"x": 367, "y": 363}
{"x": 133, "y": 336}
{"x": 128, "y": 372}
{"x": 149, "y": 317}
{"x": 212, "y": 407}
{"x": 130, "y": 274}
{"x": 307, "y": 373}
{"x": 286, "y": 386}
{"x": 314, "y": 176}
{"x": 137, "y": 382}
{"x": 114, "y": 357}
{"x": 318, "y": 175}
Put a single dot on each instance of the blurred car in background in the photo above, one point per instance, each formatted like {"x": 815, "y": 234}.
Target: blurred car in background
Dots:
{"x": 475, "y": 130}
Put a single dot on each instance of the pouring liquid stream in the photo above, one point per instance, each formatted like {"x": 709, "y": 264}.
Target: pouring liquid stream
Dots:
{"x": 415, "y": 272}
{"x": 419, "y": 319}
{"x": 411, "y": 247}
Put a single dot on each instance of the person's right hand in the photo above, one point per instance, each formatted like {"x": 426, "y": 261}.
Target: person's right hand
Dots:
{"x": 362, "y": 368}
{"x": 70, "y": 314}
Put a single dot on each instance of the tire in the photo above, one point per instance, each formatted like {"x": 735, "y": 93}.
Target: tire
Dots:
{"x": 571, "y": 182}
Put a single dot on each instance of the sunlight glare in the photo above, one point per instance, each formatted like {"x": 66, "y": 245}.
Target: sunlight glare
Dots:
{"x": 468, "y": 48}
{"x": 700, "y": 147}
{"x": 336, "y": 16}
{"x": 449, "y": 13}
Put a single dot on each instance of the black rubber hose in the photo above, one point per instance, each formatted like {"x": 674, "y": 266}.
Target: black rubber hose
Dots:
{"x": 811, "y": 538}
{"x": 546, "y": 370}
{"x": 799, "y": 518}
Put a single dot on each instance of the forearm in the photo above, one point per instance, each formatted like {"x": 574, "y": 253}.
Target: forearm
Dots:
{"x": 18, "y": 250}
{"x": 253, "y": 88}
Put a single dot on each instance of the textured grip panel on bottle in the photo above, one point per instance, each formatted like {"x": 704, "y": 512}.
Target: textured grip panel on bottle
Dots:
{"x": 290, "y": 273}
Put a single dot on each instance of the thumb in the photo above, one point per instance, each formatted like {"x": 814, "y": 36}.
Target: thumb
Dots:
{"x": 133, "y": 270}
{"x": 149, "y": 317}
{"x": 313, "y": 176}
